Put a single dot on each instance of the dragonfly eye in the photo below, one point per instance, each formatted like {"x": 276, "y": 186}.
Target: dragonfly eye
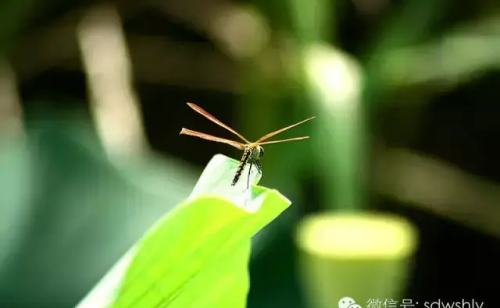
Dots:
{"x": 261, "y": 152}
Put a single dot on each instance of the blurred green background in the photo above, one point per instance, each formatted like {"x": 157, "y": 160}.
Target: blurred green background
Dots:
{"x": 93, "y": 97}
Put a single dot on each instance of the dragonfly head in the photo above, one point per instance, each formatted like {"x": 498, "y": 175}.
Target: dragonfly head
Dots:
{"x": 257, "y": 152}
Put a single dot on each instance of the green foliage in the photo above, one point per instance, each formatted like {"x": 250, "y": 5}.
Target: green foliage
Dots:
{"x": 198, "y": 254}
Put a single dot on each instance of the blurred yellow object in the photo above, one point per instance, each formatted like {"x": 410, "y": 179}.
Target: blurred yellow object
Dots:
{"x": 362, "y": 256}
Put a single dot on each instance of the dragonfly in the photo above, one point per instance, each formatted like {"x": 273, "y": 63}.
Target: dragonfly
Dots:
{"x": 252, "y": 151}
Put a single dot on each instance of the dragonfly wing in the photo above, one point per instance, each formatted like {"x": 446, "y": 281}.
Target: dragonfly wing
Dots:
{"x": 235, "y": 144}
{"x": 284, "y": 140}
{"x": 282, "y": 130}
{"x": 215, "y": 120}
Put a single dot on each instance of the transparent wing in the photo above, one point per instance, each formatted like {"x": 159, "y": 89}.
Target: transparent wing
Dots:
{"x": 235, "y": 144}
{"x": 284, "y": 140}
{"x": 282, "y": 130}
{"x": 215, "y": 120}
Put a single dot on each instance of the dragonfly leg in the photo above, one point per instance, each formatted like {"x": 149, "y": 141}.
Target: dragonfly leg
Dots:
{"x": 259, "y": 166}
{"x": 249, "y": 172}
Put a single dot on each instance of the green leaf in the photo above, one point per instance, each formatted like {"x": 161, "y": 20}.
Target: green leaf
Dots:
{"x": 198, "y": 254}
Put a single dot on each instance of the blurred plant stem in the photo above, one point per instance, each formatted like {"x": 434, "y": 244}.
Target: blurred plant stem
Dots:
{"x": 332, "y": 83}
{"x": 335, "y": 85}
{"x": 312, "y": 21}
{"x": 114, "y": 103}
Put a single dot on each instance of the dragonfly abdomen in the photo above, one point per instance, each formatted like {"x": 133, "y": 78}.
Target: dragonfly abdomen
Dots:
{"x": 243, "y": 162}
